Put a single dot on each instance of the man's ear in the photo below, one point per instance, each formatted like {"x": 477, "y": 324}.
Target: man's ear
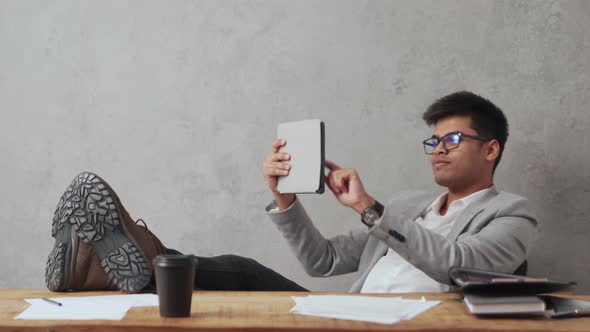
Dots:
{"x": 493, "y": 150}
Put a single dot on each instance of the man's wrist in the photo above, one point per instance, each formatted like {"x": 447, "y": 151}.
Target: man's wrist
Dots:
{"x": 365, "y": 202}
{"x": 283, "y": 201}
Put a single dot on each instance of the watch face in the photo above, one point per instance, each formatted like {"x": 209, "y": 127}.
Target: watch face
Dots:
{"x": 373, "y": 215}
{"x": 370, "y": 216}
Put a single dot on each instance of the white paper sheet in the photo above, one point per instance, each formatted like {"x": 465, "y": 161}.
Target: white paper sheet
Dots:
{"x": 110, "y": 307}
{"x": 364, "y": 308}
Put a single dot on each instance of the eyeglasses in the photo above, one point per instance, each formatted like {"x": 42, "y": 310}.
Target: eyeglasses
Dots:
{"x": 450, "y": 141}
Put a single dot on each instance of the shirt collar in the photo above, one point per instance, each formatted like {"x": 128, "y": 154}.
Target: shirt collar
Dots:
{"x": 459, "y": 203}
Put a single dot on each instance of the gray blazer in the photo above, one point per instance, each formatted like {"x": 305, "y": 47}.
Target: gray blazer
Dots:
{"x": 494, "y": 235}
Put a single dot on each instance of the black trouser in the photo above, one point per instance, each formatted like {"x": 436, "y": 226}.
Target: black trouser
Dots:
{"x": 231, "y": 272}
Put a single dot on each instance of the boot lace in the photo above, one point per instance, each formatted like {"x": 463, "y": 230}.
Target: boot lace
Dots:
{"x": 144, "y": 224}
{"x": 151, "y": 235}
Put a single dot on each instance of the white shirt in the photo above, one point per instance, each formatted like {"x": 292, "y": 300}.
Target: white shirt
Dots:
{"x": 393, "y": 274}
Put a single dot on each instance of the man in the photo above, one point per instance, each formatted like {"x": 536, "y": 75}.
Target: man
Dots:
{"x": 407, "y": 245}
{"x": 411, "y": 243}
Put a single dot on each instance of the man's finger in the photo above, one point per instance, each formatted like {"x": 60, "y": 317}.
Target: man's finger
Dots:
{"x": 328, "y": 183}
{"x": 275, "y": 172}
{"x": 279, "y": 156}
{"x": 272, "y": 169}
{"x": 277, "y": 144}
{"x": 335, "y": 185}
{"x": 332, "y": 184}
{"x": 280, "y": 165}
{"x": 331, "y": 165}
{"x": 342, "y": 182}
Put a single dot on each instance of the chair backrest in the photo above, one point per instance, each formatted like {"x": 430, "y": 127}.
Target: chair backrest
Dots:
{"x": 522, "y": 269}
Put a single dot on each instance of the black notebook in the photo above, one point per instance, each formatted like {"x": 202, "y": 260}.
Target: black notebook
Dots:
{"x": 481, "y": 282}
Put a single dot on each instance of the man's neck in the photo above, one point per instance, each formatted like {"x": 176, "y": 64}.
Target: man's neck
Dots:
{"x": 454, "y": 194}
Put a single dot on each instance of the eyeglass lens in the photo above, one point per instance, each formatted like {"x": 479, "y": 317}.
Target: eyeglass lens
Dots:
{"x": 451, "y": 141}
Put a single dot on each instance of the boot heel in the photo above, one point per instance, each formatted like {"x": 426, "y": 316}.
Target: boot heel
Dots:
{"x": 55, "y": 268}
{"x": 127, "y": 268}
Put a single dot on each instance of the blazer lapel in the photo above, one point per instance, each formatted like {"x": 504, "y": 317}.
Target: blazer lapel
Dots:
{"x": 468, "y": 214}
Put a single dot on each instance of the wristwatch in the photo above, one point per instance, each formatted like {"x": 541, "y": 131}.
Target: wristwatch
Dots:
{"x": 371, "y": 214}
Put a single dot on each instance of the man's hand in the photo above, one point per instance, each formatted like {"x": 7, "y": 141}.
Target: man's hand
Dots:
{"x": 346, "y": 185}
{"x": 274, "y": 166}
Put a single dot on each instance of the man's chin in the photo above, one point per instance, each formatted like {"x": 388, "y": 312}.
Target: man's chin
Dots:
{"x": 442, "y": 181}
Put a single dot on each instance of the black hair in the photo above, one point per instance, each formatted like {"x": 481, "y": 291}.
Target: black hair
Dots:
{"x": 486, "y": 118}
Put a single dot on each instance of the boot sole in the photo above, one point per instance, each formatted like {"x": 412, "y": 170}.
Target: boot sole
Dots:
{"x": 89, "y": 211}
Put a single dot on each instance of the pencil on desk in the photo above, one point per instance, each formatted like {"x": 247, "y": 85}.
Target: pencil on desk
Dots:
{"x": 51, "y": 301}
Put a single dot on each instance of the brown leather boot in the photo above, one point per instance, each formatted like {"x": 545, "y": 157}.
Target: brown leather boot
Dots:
{"x": 114, "y": 252}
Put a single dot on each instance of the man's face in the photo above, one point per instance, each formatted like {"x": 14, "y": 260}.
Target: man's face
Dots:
{"x": 463, "y": 166}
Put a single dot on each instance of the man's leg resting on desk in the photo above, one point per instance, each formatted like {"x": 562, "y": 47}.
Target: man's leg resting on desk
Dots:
{"x": 99, "y": 247}
{"x": 232, "y": 272}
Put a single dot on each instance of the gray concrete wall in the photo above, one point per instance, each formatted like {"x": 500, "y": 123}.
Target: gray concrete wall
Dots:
{"x": 176, "y": 104}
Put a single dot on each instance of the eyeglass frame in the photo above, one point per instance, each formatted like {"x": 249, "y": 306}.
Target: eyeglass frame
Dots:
{"x": 442, "y": 139}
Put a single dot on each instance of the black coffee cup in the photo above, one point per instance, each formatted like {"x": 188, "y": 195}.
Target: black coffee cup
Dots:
{"x": 175, "y": 275}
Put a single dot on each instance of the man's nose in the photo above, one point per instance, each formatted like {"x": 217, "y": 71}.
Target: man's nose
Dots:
{"x": 440, "y": 149}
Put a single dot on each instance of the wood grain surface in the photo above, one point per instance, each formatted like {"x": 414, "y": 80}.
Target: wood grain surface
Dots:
{"x": 269, "y": 311}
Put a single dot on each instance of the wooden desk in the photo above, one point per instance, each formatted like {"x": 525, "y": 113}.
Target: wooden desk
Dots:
{"x": 269, "y": 311}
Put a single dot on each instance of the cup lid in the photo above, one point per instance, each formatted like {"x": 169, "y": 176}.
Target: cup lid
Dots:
{"x": 174, "y": 261}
